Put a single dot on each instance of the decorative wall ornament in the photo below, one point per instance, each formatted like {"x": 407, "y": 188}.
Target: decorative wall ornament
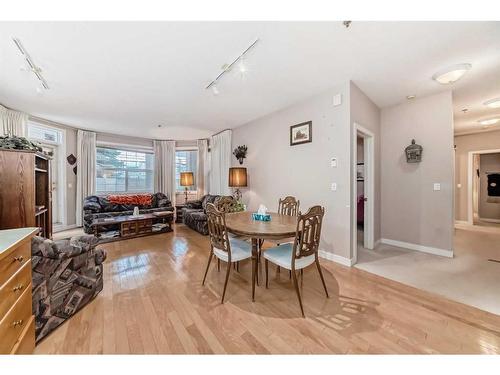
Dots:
{"x": 71, "y": 159}
{"x": 240, "y": 153}
{"x": 301, "y": 133}
{"x": 413, "y": 152}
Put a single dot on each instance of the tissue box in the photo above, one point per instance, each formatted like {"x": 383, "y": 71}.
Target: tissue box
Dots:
{"x": 261, "y": 217}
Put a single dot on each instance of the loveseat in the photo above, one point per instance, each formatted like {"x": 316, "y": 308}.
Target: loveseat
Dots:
{"x": 67, "y": 275}
{"x": 194, "y": 214}
{"x": 102, "y": 206}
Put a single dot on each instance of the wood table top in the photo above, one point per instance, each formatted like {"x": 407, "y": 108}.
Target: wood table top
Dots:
{"x": 280, "y": 226}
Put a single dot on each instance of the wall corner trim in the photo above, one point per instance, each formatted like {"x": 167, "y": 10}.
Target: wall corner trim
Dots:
{"x": 421, "y": 248}
{"x": 336, "y": 258}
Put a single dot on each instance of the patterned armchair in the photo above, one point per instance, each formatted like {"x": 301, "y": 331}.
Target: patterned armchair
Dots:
{"x": 67, "y": 275}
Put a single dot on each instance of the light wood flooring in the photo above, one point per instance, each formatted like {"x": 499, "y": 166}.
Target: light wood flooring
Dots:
{"x": 153, "y": 302}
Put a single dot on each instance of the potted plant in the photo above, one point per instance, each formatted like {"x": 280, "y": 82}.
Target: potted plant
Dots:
{"x": 240, "y": 153}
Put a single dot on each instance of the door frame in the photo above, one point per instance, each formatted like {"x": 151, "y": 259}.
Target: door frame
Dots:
{"x": 369, "y": 189}
{"x": 470, "y": 181}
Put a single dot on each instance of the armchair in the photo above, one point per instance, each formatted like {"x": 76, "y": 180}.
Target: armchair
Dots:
{"x": 67, "y": 275}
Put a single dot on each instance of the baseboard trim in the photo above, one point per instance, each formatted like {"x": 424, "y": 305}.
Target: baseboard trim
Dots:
{"x": 336, "y": 258}
{"x": 416, "y": 247}
{"x": 66, "y": 227}
{"x": 461, "y": 222}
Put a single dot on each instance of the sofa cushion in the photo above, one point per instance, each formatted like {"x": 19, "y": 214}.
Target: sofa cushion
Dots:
{"x": 208, "y": 199}
{"x": 197, "y": 215}
{"x": 140, "y": 200}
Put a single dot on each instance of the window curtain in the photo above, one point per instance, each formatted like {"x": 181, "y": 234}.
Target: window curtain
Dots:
{"x": 220, "y": 161}
{"x": 165, "y": 168}
{"x": 12, "y": 122}
{"x": 85, "y": 170}
{"x": 202, "y": 167}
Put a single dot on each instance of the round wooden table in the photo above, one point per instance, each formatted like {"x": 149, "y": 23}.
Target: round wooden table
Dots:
{"x": 242, "y": 223}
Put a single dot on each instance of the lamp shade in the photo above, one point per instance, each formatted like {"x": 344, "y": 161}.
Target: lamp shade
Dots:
{"x": 237, "y": 177}
{"x": 187, "y": 179}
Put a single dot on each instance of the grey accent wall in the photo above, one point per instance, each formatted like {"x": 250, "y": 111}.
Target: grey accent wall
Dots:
{"x": 465, "y": 144}
{"x": 365, "y": 113}
{"x": 488, "y": 163}
{"x": 276, "y": 169}
{"x": 411, "y": 210}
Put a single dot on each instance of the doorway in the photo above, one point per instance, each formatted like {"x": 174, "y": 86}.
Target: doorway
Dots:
{"x": 483, "y": 199}
{"x": 362, "y": 189}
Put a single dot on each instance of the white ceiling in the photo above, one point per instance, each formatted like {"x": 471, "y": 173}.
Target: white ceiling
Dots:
{"x": 128, "y": 77}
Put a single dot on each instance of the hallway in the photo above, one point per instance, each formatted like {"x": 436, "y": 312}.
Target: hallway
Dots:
{"x": 470, "y": 277}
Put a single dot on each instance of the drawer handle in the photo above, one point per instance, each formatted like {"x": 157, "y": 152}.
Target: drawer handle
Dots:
{"x": 17, "y": 323}
{"x": 18, "y": 287}
{"x": 19, "y": 258}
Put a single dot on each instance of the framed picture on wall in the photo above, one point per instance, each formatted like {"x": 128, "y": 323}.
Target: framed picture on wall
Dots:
{"x": 301, "y": 133}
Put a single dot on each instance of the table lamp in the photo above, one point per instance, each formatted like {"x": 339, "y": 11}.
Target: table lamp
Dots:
{"x": 187, "y": 179}
{"x": 237, "y": 179}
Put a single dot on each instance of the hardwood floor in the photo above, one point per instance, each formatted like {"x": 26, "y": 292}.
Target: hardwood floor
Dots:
{"x": 153, "y": 302}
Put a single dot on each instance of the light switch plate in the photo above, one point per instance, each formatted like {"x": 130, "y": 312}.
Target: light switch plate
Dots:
{"x": 333, "y": 163}
{"x": 437, "y": 186}
{"x": 334, "y": 186}
{"x": 337, "y": 99}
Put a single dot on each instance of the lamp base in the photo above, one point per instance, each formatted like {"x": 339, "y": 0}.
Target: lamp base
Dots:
{"x": 237, "y": 195}
{"x": 185, "y": 195}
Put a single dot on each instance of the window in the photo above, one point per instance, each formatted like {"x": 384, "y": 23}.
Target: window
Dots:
{"x": 185, "y": 161}
{"x": 123, "y": 171}
{"x": 44, "y": 134}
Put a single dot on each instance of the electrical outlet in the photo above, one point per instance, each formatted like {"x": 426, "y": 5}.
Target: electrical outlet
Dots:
{"x": 333, "y": 163}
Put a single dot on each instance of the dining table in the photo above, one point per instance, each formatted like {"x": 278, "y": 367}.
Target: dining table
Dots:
{"x": 243, "y": 224}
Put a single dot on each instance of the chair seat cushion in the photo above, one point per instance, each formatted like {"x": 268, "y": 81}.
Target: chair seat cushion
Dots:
{"x": 282, "y": 256}
{"x": 239, "y": 250}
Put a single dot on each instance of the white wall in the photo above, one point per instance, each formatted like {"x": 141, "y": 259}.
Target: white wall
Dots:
{"x": 411, "y": 211}
{"x": 276, "y": 169}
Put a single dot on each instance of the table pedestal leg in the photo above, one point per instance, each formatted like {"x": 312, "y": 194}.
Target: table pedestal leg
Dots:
{"x": 254, "y": 265}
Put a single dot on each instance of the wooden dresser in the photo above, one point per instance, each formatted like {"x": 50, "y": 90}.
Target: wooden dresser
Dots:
{"x": 17, "y": 323}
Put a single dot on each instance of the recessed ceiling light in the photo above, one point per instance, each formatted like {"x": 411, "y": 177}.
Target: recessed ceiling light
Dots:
{"x": 451, "y": 74}
{"x": 410, "y": 97}
{"x": 492, "y": 103}
{"x": 489, "y": 121}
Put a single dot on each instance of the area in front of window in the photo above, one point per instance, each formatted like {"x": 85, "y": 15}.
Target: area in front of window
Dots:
{"x": 124, "y": 171}
{"x": 185, "y": 161}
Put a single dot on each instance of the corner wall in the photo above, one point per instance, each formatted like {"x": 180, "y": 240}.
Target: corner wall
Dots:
{"x": 276, "y": 169}
{"x": 412, "y": 212}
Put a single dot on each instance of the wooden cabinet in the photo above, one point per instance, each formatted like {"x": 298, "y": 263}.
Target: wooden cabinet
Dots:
{"x": 17, "y": 327}
{"x": 25, "y": 191}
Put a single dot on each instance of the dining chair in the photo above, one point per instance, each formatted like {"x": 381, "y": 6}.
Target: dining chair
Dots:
{"x": 303, "y": 252}
{"x": 227, "y": 249}
{"x": 286, "y": 206}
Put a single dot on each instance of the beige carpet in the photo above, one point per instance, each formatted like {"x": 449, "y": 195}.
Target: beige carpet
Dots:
{"x": 469, "y": 277}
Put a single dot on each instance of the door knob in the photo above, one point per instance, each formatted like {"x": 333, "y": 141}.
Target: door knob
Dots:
{"x": 365, "y": 199}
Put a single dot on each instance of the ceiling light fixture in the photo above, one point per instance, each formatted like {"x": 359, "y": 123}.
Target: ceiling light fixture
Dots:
{"x": 490, "y": 121}
{"x": 32, "y": 66}
{"x": 227, "y": 67}
{"x": 492, "y": 103}
{"x": 451, "y": 74}
{"x": 410, "y": 97}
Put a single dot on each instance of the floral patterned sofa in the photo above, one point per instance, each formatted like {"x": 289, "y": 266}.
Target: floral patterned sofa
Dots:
{"x": 67, "y": 275}
{"x": 101, "y": 206}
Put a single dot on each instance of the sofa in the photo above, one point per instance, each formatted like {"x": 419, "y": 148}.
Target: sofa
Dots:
{"x": 101, "y": 206}
{"x": 67, "y": 275}
{"x": 194, "y": 214}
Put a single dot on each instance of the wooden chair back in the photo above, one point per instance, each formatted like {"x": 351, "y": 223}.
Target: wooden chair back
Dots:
{"x": 308, "y": 233}
{"x": 225, "y": 204}
{"x": 288, "y": 206}
{"x": 217, "y": 229}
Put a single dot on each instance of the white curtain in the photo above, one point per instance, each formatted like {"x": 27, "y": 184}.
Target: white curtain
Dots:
{"x": 85, "y": 170}
{"x": 202, "y": 168}
{"x": 12, "y": 122}
{"x": 220, "y": 161}
{"x": 165, "y": 168}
